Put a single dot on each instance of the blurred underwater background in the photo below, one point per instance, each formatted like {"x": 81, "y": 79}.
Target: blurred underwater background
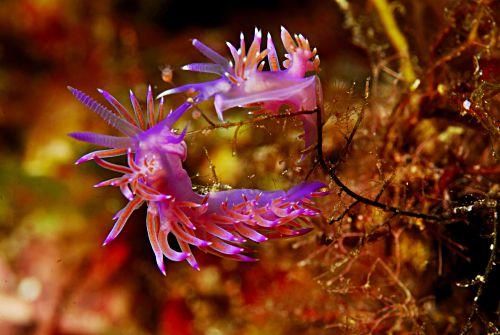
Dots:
{"x": 426, "y": 142}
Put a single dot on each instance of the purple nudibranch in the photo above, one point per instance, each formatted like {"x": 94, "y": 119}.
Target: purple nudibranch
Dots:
{"x": 216, "y": 222}
{"x": 244, "y": 82}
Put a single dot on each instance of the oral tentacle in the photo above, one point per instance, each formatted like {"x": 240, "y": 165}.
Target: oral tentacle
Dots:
{"x": 114, "y": 142}
{"x": 114, "y": 121}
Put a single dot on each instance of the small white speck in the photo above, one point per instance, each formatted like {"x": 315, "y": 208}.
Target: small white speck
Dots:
{"x": 466, "y": 104}
{"x": 29, "y": 288}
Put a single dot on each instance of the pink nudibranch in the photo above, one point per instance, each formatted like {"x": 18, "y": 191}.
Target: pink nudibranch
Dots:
{"x": 216, "y": 222}
{"x": 244, "y": 82}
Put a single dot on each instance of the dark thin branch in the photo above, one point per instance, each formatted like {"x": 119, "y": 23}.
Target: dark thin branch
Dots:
{"x": 235, "y": 140}
{"x": 484, "y": 277}
{"x": 344, "y": 213}
{"x": 227, "y": 125}
{"x": 309, "y": 173}
{"x": 386, "y": 183}
{"x": 347, "y": 145}
{"x": 212, "y": 167}
{"x": 331, "y": 172}
{"x": 348, "y": 209}
{"x": 205, "y": 117}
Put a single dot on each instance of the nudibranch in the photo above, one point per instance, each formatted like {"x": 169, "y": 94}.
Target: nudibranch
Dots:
{"x": 215, "y": 222}
{"x": 243, "y": 82}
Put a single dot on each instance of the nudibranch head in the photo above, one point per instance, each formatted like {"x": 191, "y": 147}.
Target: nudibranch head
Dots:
{"x": 154, "y": 158}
